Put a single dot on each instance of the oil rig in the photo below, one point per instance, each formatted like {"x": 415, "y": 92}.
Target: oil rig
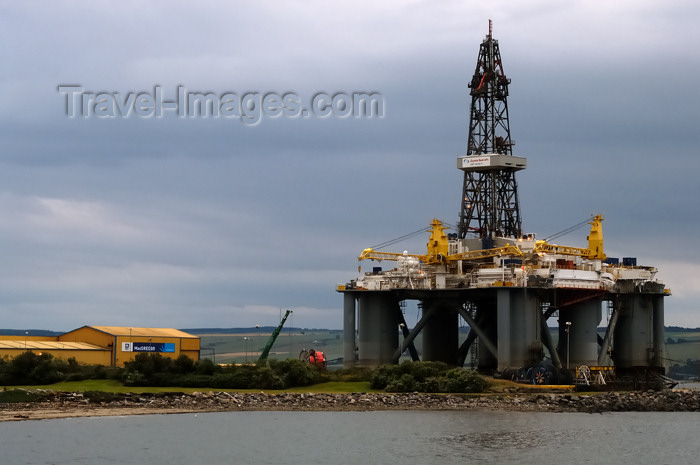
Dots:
{"x": 511, "y": 289}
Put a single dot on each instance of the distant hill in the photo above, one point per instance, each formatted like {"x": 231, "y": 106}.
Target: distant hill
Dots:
{"x": 262, "y": 329}
{"x": 680, "y": 329}
{"x": 29, "y": 332}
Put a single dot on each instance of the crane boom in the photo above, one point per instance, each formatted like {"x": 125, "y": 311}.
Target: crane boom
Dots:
{"x": 544, "y": 247}
{"x": 595, "y": 244}
{"x": 266, "y": 351}
{"x": 371, "y": 254}
{"x": 486, "y": 253}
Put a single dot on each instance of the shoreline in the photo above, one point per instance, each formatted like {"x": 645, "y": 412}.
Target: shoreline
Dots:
{"x": 53, "y": 405}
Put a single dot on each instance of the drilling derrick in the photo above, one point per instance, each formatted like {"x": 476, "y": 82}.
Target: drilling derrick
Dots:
{"x": 490, "y": 205}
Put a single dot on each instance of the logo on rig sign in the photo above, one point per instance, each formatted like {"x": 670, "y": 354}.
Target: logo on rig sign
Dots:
{"x": 475, "y": 161}
{"x": 158, "y": 347}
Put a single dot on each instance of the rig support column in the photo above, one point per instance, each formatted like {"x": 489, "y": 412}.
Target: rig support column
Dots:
{"x": 519, "y": 343}
{"x": 349, "y": 330}
{"x": 503, "y": 324}
{"x": 638, "y": 338}
{"x": 378, "y": 336}
{"x": 440, "y": 335}
{"x": 486, "y": 311}
{"x": 584, "y": 319}
{"x": 659, "y": 357}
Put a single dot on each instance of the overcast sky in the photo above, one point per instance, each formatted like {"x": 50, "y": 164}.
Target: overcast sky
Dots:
{"x": 199, "y": 222}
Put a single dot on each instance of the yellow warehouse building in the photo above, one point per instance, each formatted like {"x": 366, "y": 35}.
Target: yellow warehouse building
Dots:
{"x": 105, "y": 345}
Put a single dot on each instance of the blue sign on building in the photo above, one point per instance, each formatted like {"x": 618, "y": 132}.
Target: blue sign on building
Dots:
{"x": 166, "y": 347}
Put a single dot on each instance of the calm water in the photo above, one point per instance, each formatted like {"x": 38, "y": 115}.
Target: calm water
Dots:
{"x": 357, "y": 438}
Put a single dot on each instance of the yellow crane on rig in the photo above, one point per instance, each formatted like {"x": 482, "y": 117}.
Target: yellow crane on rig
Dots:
{"x": 595, "y": 244}
{"x": 438, "y": 247}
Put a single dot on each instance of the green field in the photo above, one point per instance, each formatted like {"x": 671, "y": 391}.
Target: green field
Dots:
{"x": 681, "y": 346}
{"x": 239, "y": 348}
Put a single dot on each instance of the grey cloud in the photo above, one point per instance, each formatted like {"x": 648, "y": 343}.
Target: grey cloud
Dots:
{"x": 205, "y": 222}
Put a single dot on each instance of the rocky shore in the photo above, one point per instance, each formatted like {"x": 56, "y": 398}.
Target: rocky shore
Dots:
{"x": 49, "y": 404}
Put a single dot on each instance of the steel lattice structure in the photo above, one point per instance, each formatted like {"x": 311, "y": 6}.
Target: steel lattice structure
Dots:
{"x": 490, "y": 204}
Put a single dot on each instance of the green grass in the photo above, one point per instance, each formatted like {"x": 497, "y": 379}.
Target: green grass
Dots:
{"x": 117, "y": 387}
{"x": 105, "y": 385}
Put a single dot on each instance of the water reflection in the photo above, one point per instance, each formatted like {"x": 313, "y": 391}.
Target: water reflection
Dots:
{"x": 352, "y": 438}
{"x": 494, "y": 440}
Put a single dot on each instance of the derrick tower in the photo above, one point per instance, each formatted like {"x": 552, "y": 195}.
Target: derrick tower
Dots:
{"x": 490, "y": 205}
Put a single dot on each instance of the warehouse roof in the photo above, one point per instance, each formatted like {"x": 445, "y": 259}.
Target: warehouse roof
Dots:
{"x": 48, "y": 345}
{"x": 134, "y": 331}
